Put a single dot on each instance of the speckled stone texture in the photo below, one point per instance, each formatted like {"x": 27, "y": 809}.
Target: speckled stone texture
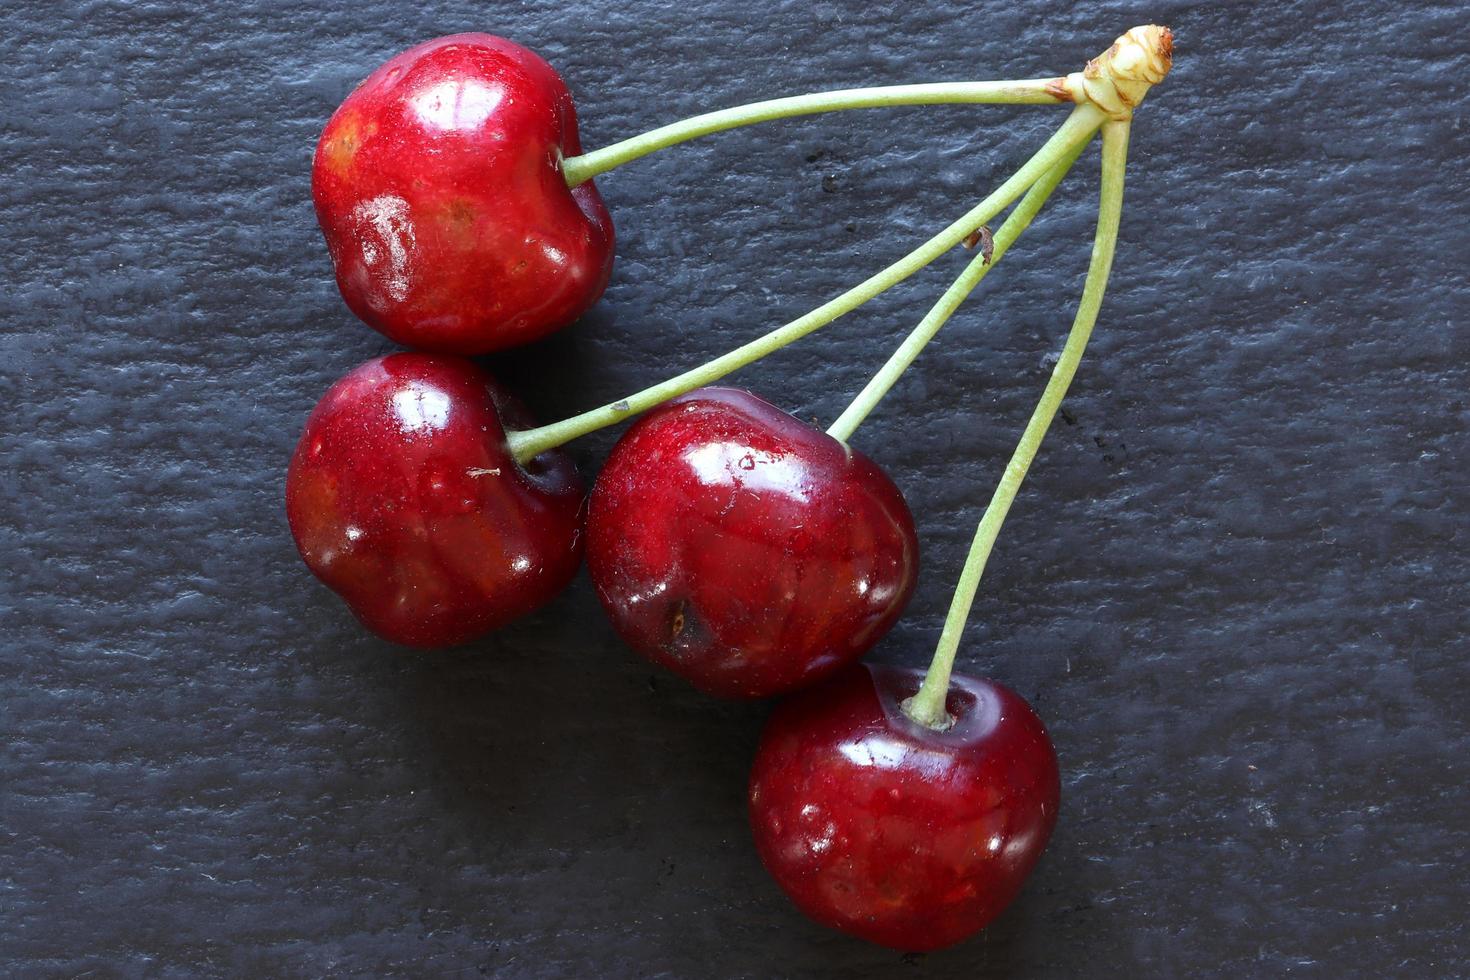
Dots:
{"x": 1234, "y": 585}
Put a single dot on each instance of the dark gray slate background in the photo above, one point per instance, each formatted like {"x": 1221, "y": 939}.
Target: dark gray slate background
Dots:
{"x": 1234, "y": 586}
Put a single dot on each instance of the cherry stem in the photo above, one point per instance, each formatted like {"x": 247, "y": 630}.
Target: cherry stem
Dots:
{"x": 1076, "y": 131}
{"x": 927, "y": 328}
{"x": 1040, "y": 91}
{"x": 927, "y": 707}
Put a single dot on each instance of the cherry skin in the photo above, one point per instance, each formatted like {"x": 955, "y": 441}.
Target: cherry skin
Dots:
{"x": 439, "y": 188}
{"x": 745, "y": 550}
{"x": 404, "y": 498}
{"x": 897, "y": 833}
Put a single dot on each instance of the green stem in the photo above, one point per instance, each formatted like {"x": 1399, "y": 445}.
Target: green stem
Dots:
{"x": 927, "y": 707}
{"x": 1038, "y": 91}
{"x": 1079, "y": 127}
{"x": 979, "y": 267}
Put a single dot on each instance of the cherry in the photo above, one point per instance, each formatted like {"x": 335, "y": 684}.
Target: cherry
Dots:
{"x": 404, "y": 498}
{"x": 745, "y": 550}
{"x": 895, "y": 832}
{"x": 439, "y": 188}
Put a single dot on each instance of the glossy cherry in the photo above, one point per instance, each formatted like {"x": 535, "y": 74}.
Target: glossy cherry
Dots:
{"x": 404, "y": 498}
{"x": 745, "y": 550}
{"x": 892, "y": 831}
{"x": 438, "y": 186}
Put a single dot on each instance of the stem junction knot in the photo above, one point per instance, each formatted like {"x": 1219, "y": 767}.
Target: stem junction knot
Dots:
{"x": 1117, "y": 80}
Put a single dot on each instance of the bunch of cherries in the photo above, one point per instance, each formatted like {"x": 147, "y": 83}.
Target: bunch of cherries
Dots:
{"x": 741, "y": 548}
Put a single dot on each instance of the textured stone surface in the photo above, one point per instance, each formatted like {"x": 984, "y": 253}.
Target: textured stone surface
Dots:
{"x": 1233, "y": 586}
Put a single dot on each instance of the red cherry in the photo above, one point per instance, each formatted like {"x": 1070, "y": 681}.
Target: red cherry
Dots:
{"x": 404, "y": 498}
{"x": 883, "y": 828}
{"x": 438, "y": 186}
{"x": 745, "y": 550}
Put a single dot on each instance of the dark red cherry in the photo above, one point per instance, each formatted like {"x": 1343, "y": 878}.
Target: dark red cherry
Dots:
{"x": 439, "y": 188}
{"x": 745, "y": 550}
{"x": 885, "y": 829}
{"x": 404, "y": 498}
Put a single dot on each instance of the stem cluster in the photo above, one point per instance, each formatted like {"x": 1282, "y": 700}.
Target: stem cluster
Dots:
{"x": 1105, "y": 95}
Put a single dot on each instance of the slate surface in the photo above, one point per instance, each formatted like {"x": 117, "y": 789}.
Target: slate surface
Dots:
{"x": 1233, "y": 586}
